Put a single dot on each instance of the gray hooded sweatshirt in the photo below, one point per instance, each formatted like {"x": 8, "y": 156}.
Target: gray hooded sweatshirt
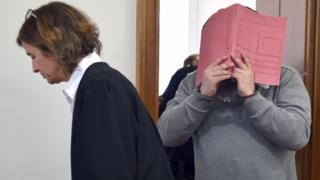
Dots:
{"x": 236, "y": 139}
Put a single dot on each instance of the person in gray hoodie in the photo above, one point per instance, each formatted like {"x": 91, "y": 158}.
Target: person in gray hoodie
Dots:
{"x": 241, "y": 130}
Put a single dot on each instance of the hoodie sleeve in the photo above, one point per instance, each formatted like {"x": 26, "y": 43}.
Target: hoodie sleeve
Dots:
{"x": 287, "y": 121}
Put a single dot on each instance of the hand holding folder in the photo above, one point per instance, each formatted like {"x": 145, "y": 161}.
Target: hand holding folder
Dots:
{"x": 238, "y": 29}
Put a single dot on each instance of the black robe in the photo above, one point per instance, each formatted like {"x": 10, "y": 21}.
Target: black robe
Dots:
{"x": 113, "y": 136}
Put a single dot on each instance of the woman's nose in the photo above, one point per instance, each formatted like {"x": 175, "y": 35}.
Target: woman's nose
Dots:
{"x": 34, "y": 67}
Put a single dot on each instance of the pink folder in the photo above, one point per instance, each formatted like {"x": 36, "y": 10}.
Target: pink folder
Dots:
{"x": 239, "y": 29}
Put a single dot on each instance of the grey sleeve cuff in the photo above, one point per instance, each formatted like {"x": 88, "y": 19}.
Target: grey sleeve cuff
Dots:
{"x": 253, "y": 103}
{"x": 256, "y": 104}
{"x": 199, "y": 102}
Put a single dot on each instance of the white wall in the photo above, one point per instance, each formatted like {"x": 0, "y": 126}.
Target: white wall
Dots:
{"x": 174, "y": 35}
{"x": 35, "y": 120}
{"x": 295, "y": 10}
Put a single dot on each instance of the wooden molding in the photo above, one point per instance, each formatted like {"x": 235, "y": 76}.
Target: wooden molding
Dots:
{"x": 147, "y": 56}
{"x": 315, "y": 161}
{"x": 303, "y": 158}
{"x": 309, "y": 47}
{"x": 310, "y": 166}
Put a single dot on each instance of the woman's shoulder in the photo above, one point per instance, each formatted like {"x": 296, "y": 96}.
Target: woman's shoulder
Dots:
{"x": 102, "y": 73}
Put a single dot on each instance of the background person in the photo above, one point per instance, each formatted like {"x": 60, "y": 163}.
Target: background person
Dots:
{"x": 181, "y": 158}
{"x": 189, "y": 65}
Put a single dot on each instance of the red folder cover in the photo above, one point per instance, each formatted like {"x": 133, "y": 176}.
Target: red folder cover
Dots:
{"x": 238, "y": 29}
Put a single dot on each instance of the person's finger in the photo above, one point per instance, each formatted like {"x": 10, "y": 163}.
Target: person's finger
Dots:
{"x": 220, "y": 72}
{"x": 239, "y": 70}
{"x": 238, "y": 62}
{"x": 223, "y": 77}
{"x": 226, "y": 66}
{"x": 246, "y": 60}
{"x": 222, "y": 60}
{"x": 218, "y": 61}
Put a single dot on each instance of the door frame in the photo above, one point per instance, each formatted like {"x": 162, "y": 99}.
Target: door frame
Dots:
{"x": 312, "y": 82}
{"x": 147, "y": 54}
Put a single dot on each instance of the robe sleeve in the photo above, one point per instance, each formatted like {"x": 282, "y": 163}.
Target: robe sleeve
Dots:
{"x": 113, "y": 136}
{"x": 104, "y": 134}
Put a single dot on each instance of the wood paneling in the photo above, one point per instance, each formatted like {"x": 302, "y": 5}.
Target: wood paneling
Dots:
{"x": 315, "y": 162}
{"x": 304, "y": 156}
{"x": 311, "y": 164}
{"x": 148, "y": 54}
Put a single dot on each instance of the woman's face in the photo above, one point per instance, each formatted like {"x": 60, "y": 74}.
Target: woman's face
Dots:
{"x": 46, "y": 65}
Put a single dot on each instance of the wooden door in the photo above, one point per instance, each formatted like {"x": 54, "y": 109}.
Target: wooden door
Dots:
{"x": 310, "y": 163}
{"x": 147, "y": 54}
